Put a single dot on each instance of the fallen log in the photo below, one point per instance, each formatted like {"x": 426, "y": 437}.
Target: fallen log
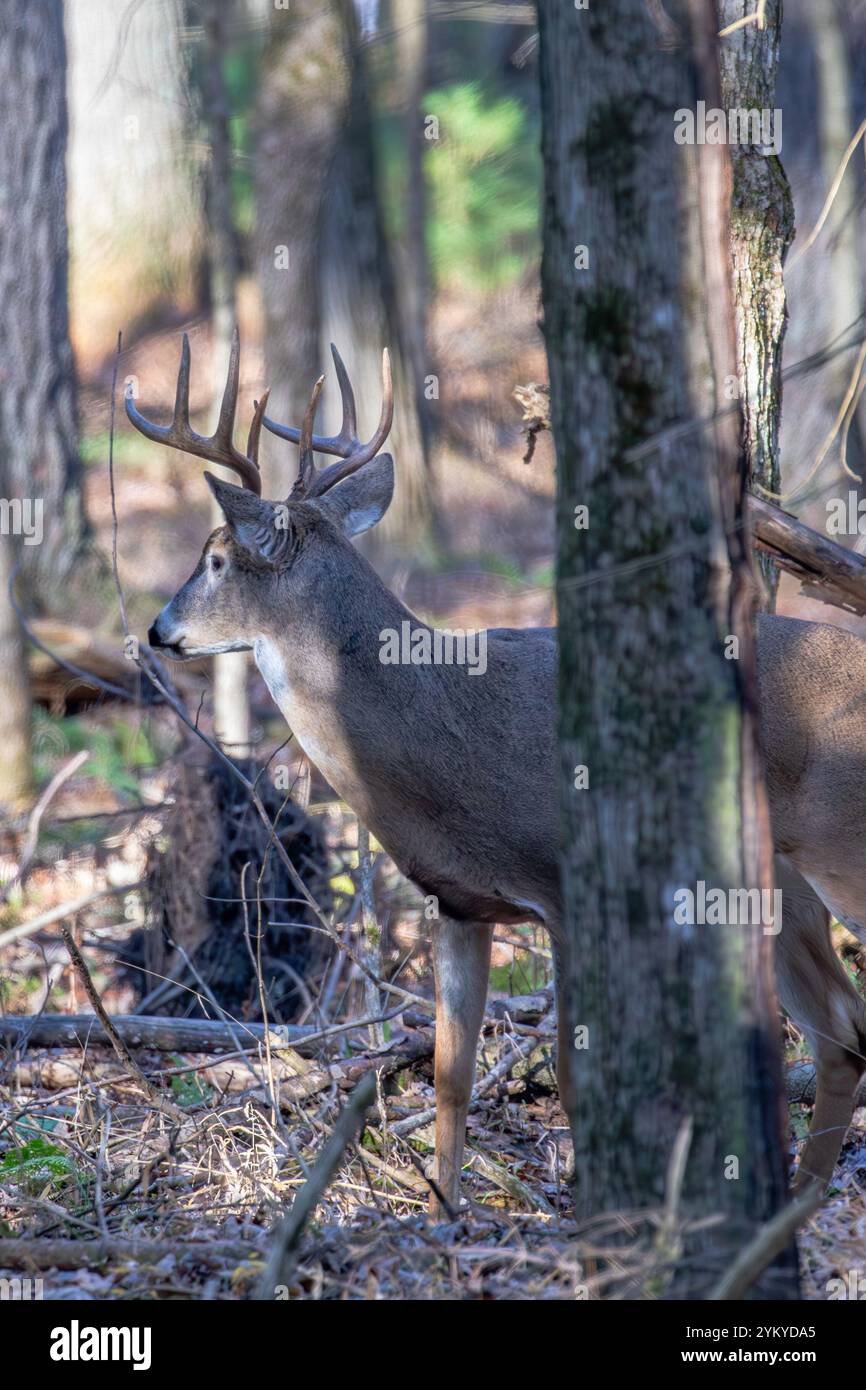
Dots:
{"x": 210, "y": 1035}
{"x": 161, "y": 1034}
{"x": 29, "y": 1253}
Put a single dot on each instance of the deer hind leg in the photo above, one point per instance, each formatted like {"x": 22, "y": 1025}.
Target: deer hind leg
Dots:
{"x": 820, "y": 998}
{"x": 461, "y": 963}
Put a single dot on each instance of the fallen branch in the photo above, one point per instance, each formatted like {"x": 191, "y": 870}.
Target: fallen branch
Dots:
{"x": 826, "y": 570}
{"x": 205, "y": 1035}
{"x": 166, "y": 1107}
{"x": 769, "y": 1242}
{"x": 160, "y": 1034}
{"x": 57, "y": 914}
{"x": 281, "y": 1257}
{"x": 31, "y": 839}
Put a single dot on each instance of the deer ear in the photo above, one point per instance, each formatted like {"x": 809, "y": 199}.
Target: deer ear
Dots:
{"x": 363, "y": 498}
{"x": 254, "y": 523}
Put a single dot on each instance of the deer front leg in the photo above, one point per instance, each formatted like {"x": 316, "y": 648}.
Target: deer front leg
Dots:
{"x": 837, "y": 1076}
{"x": 461, "y": 964}
{"x": 819, "y": 996}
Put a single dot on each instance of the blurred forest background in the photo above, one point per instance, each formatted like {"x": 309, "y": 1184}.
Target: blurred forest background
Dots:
{"x": 318, "y": 171}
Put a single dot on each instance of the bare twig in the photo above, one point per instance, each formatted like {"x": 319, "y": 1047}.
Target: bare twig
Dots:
{"x": 165, "y": 1107}
{"x": 284, "y": 1241}
{"x": 31, "y": 840}
{"x": 68, "y": 909}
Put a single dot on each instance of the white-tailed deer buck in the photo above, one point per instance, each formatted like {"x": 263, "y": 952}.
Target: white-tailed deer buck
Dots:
{"x": 456, "y": 777}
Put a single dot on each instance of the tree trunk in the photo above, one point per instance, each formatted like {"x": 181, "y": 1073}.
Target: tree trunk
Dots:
{"x": 762, "y": 227}
{"x": 842, "y": 246}
{"x": 324, "y": 266}
{"x": 677, "y": 1013}
{"x": 298, "y": 121}
{"x": 231, "y": 705}
{"x": 15, "y": 764}
{"x": 38, "y": 402}
{"x": 134, "y": 199}
{"x": 412, "y": 42}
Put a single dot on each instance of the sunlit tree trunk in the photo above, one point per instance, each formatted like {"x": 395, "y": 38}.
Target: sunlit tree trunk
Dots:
{"x": 660, "y": 784}
{"x": 762, "y": 226}
{"x": 135, "y": 204}
{"x": 231, "y": 706}
{"x": 15, "y": 763}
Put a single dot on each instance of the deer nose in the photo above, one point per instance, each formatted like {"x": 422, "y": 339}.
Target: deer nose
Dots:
{"x": 153, "y": 636}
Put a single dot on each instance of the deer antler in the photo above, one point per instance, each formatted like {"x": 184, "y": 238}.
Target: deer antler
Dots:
{"x": 346, "y": 444}
{"x": 218, "y": 447}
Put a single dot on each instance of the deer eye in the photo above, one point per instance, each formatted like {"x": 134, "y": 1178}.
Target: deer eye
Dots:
{"x": 216, "y": 563}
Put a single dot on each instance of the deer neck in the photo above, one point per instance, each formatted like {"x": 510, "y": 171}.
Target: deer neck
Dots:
{"x": 322, "y": 667}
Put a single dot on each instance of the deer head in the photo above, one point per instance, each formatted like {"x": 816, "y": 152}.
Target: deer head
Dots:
{"x": 270, "y": 557}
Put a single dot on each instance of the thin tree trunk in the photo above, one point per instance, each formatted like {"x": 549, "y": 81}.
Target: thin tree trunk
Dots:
{"x": 324, "y": 264}
{"x": 15, "y": 763}
{"x": 836, "y": 127}
{"x": 412, "y": 41}
{"x": 300, "y": 111}
{"x": 359, "y": 301}
{"x": 679, "y": 1025}
{"x": 762, "y": 227}
{"x": 231, "y": 706}
{"x": 38, "y": 423}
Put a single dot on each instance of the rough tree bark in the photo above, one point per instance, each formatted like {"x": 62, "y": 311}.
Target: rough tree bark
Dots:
{"x": 762, "y": 228}
{"x": 679, "y": 1018}
{"x": 38, "y": 423}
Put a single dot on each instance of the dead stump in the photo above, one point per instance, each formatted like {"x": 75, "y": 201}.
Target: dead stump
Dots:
{"x": 204, "y": 907}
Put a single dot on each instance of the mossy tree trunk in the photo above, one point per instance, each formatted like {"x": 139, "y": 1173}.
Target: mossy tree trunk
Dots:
{"x": 762, "y": 228}
{"x": 658, "y": 771}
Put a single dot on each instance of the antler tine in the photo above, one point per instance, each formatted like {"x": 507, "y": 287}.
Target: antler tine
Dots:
{"x": 218, "y": 447}
{"x": 306, "y": 462}
{"x": 349, "y": 427}
{"x": 256, "y": 428}
{"x": 361, "y": 454}
{"x": 225, "y": 429}
{"x": 346, "y": 444}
